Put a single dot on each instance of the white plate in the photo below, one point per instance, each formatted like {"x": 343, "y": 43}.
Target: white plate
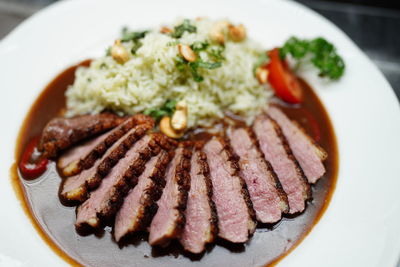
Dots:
{"x": 361, "y": 225}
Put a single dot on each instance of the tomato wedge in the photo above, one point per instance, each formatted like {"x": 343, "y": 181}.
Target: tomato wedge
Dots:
{"x": 282, "y": 79}
{"x": 32, "y": 165}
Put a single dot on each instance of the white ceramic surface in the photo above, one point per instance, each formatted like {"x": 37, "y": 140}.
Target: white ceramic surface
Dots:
{"x": 361, "y": 226}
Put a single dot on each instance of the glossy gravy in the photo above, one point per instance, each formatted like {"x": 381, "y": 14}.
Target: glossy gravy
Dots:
{"x": 55, "y": 222}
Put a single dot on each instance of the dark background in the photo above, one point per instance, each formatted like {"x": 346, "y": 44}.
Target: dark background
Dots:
{"x": 372, "y": 24}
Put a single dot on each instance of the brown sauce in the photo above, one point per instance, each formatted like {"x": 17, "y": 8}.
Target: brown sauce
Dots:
{"x": 55, "y": 222}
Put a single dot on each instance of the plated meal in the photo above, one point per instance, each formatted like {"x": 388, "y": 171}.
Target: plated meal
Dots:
{"x": 188, "y": 140}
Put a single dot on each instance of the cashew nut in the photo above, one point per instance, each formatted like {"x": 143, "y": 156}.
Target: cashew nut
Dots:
{"x": 119, "y": 52}
{"x": 237, "y": 33}
{"x": 179, "y": 119}
{"x": 217, "y": 32}
{"x": 262, "y": 75}
{"x": 165, "y": 128}
{"x": 187, "y": 52}
{"x": 165, "y": 29}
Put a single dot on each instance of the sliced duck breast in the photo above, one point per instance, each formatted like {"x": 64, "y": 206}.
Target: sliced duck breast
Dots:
{"x": 75, "y": 188}
{"x": 201, "y": 217}
{"x": 276, "y": 151}
{"x": 236, "y": 218}
{"x": 83, "y": 156}
{"x": 61, "y": 133}
{"x": 266, "y": 194}
{"x": 169, "y": 220}
{"x": 107, "y": 198}
{"x": 309, "y": 154}
{"x": 139, "y": 206}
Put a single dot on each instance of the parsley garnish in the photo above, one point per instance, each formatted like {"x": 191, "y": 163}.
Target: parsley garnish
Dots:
{"x": 132, "y": 36}
{"x": 180, "y": 63}
{"x": 216, "y": 52}
{"x": 194, "y": 67}
{"x": 128, "y": 36}
{"x": 182, "y": 28}
{"x": 167, "y": 109}
{"x": 322, "y": 54}
{"x": 172, "y": 43}
{"x": 108, "y": 51}
{"x": 199, "y": 46}
{"x": 135, "y": 47}
{"x": 213, "y": 52}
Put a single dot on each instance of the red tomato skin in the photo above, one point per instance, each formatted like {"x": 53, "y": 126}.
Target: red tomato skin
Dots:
{"x": 282, "y": 80}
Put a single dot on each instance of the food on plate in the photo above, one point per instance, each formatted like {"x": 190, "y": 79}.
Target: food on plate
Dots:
{"x": 191, "y": 135}
{"x": 200, "y": 214}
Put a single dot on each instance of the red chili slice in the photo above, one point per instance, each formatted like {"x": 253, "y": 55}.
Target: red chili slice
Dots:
{"x": 32, "y": 166}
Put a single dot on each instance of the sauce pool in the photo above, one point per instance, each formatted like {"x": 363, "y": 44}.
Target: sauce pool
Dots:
{"x": 55, "y": 222}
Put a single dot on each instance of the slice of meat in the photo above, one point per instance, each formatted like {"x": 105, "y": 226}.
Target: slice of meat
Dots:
{"x": 104, "y": 202}
{"x": 276, "y": 151}
{"x": 75, "y": 188}
{"x": 61, "y": 133}
{"x": 70, "y": 162}
{"x": 309, "y": 154}
{"x": 266, "y": 194}
{"x": 169, "y": 220}
{"x": 236, "y": 218}
{"x": 201, "y": 217}
{"x": 85, "y": 155}
{"x": 139, "y": 206}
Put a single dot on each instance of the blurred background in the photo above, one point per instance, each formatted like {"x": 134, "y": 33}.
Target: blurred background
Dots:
{"x": 374, "y": 25}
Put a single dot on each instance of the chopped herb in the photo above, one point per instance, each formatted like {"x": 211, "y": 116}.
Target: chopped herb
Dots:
{"x": 103, "y": 65}
{"x": 322, "y": 54}
{"x": 216, "y": 52}
{"x": 194, "y": 66}
{"x": 208, "y": 65}
{"x": 132, "y": 36}
{"x": 167, "y": 109}
{"x": 193, "y": 69}
{"x": 135, "y": 47}
{"x": 129, "y": 36}
{"x": 180, "y": 63}
{"x": 199, "y": 46}
{"x": 174, "y": 43}
{"x": 182, "y": 28}
{"x": 108, "y": 51}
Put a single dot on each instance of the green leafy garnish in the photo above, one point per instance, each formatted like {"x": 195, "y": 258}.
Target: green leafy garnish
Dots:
{"x": 182, "y": 64}
{"x": 135, "y": 47}
{"x": 207, "y": 65}
{"x": 108, "y": 51}
{"x": 194, "y": 70}
{"x": 135, "y": 37}
{"x": 194, "y": 67}
{"x": 199, "y": 46}
{"x": 322, "y": 54}
{"x": 132, "y": 36}
{"x": 216, "y": 52}
{"x": 172, "y": 43}
{"x": 165, "y": 110}
{"x": 182, "y": 28}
